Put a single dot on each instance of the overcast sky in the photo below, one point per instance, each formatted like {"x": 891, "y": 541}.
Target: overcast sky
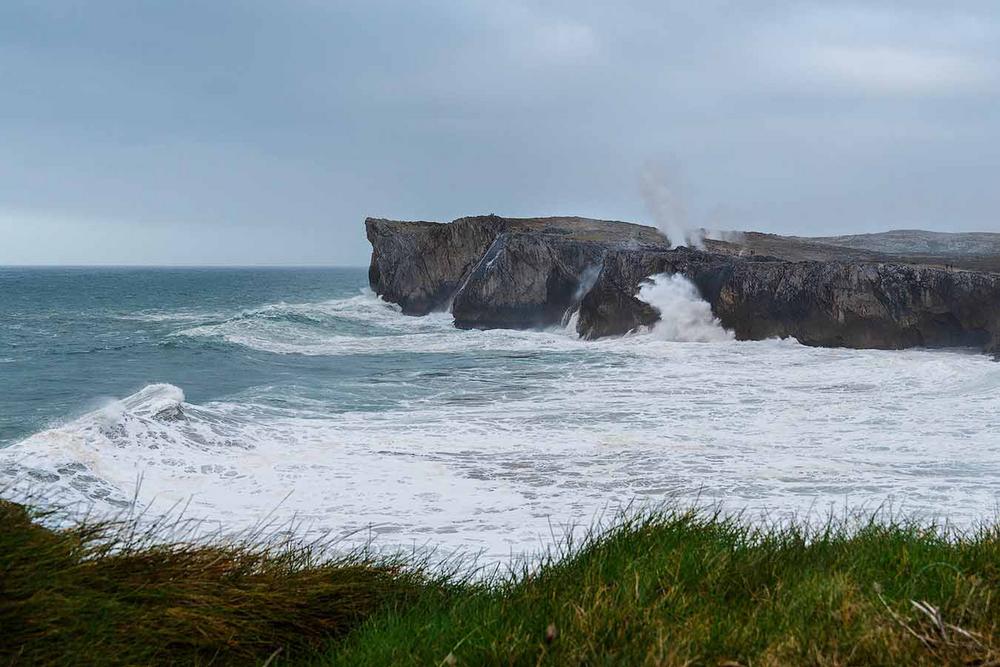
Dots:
{"x": 263, "y": 132}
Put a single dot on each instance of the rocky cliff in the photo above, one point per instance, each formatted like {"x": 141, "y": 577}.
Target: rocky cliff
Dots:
{"x": 523, "y": 273}
{"x": 492, "y": 271}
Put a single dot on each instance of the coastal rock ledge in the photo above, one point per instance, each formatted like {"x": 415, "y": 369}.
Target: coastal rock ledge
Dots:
{"x": 494, "y": 272}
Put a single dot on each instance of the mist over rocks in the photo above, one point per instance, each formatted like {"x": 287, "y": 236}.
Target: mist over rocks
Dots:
{"x": 495, "y": 272}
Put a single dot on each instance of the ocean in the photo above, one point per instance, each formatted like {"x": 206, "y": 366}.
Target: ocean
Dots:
{"x": 296, "y": 399}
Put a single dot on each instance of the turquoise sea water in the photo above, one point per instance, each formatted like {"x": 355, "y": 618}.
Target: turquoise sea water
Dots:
{"x": 297, "y": 396}
{"x": 71, "y": 337}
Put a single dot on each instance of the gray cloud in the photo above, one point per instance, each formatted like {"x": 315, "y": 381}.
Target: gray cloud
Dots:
{"x": 261, "y": 132}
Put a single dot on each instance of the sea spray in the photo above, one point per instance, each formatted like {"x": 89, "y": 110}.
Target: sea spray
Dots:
{"x": 684, "y": 315}
{"x": 587, "y": 280}
{"x": 662, "y": 197}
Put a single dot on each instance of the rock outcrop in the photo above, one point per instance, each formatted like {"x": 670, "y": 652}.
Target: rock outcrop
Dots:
{"x": 830, "y": 304}
{"x": 421, "y": 265}
{"x": 495, "y": 272}
{"x": 524, "y": 273}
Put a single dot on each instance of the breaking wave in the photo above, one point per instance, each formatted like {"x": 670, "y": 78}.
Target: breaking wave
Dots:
{"x": 364, "y": 324}
{"x": 367, "y": 325}
{"x": 506, "y": 434}
{"x": 490, "y": 458}
{"x": 684, "y": 315}
{"x": 101, "y": 456}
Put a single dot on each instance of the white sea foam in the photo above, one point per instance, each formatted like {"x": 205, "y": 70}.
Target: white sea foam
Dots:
{"x": 298, "y": 329}
{"x": 157, "y": 316}
{"x": 684, "y": 315}
{"x": 490, "y": 456}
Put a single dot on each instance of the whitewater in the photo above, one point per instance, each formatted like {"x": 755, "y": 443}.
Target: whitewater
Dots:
{"x": 302, "y": 401}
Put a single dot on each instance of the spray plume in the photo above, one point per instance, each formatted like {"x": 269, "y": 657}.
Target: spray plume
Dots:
{"x": 684, "y": 315}
{"x": 664, "y": 202}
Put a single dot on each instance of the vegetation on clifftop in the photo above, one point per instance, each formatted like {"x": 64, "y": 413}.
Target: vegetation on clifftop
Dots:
{"x": 670, "y": 589}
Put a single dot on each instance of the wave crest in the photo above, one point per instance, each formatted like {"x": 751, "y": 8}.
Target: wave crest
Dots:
{"x": 102, "y": 455}
{"x": 363, "y": 325}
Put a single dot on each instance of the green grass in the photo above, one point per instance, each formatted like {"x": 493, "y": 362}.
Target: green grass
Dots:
{"x": 690, "y": 589}
{"x": 663, "y": 589}
{"x": 98, "y": 594}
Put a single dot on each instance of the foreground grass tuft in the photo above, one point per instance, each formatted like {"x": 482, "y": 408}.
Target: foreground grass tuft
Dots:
{"x": 98, "y": 595}
{"x": 685, "y": 588}
{"x": 666, "y": 589}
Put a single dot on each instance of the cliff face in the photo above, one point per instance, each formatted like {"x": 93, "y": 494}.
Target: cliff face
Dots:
{"x": 526, "y": 281}
{"x": 524, "y": 273}
{"x": 492, "y": 271}
{"x": 830, "y": 304}
{"x": 420, "y": 265}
